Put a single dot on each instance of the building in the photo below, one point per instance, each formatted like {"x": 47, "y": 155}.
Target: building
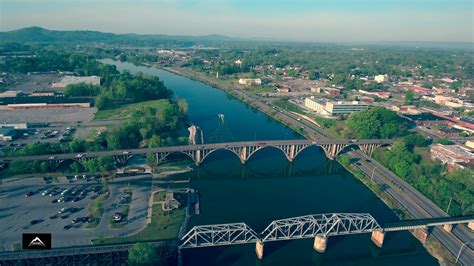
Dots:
{"x": 442, "y": 91}
{"x": 448, "y": 101}
{"x": 418, "y": 89}
{"x": 469, "y": 144}
{"x": 333, "y": 92}
{"x": 335, "y": 108}
{"x": 448, "y": 132}
{"x": 341, "y": 108}
{"x": 381, "y": 78}
{"x": 44, "y": 94}
{"x": 70, "y": 80}
{"x": 381, "y": 94}
{"x": 41, "y": 102}
{"x": 11, "y": 94}
{"x": 16, "y": 125}
{"x": 466, "y": 91}
{"x": 316, "y": 105}
{"x": 451, "y": 154}
{"x": 248, "y": 82}
{"x": 170, "y": 202}
{"x": 7, "y": 133}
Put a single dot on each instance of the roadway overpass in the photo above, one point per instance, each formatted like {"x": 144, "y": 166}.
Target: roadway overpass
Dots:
{"x": 198, "y": 153}
{"x": 319, "y": 227}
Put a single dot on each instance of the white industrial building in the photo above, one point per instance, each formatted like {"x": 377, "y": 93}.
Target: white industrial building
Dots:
{"x": 248, "y": 82}
{"x": 335, "y": 108}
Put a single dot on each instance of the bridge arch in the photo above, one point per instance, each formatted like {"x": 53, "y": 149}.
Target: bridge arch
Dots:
{"x": 298, "y": 152}
{"x": 287, "y": 156}
{"x": 166, "y": 155}
{"x": 220, "y": 149}
{"x": 67, "y": 163}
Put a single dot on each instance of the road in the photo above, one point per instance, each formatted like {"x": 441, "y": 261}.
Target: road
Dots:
{"x": 418, "y": 206}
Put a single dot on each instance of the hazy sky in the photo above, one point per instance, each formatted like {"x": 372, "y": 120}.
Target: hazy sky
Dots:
{"x": 307, "y": 20}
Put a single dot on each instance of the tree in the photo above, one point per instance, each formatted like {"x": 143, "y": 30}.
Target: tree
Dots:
{"x": 77, "y": 145}
{"x": 82, "y": 89}
{"x": 409, "y": 97}
{"x": 154, "y": 142}
{"x": 76, "y": 167}
{"x": 377, "y": 122}
{"x": 142, "y": 254}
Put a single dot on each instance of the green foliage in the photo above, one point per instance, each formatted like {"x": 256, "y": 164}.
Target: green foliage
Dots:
{"x": 284, "y": 104}
{"x": 326, "y": 123}
{"x": 344, "y": 160}
{"x": 77, "y": 145}
{"x": 377, "y": 122}
{"x": 314, "y": 75}
{"x": 124, "y": 137}
{"x": 154, "y": 142}
{"x": 28, "y": 167}
{"x": 40, "y": 149}
{"x": 142, "y": 254}
{"x": 409, "y": 97}
{"x": 429, "y": 178}
{"x": 100, "y": 164}
{"x": 82, "y": 89}
{"x": 76, "y": 167}
{"x": 415, "y": 140}
{"x": 444, "y": 141}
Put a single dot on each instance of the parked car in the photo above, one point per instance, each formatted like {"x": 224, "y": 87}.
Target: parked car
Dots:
{"x": 33, "y": 222}
{"x": 118, "y": 216}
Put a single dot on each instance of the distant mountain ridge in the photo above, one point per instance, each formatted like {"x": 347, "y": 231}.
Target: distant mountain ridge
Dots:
{"x": 39, "y": 34}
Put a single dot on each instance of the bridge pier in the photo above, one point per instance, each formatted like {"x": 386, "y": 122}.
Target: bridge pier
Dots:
{"x": 320, "y": 243}
{"x": 448, "y": 227}
{"x": 421, "y": 234}
{"x": 378, "y": 237}
{"x": 259, "y": 249}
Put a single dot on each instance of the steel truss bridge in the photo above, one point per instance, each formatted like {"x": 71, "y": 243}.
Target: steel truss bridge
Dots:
{"x": 308, "y": 226}
{"x": 198, "y": 153}
{"x": 318, "y": 226}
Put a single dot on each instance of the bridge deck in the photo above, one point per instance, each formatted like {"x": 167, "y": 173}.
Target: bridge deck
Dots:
{"x": 261, "y": 143}
{"x": 420, "y": 223}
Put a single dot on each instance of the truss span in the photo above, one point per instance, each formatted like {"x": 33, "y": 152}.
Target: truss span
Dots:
{"x": 310, "y": 226}
{"x": 218, "y": 235}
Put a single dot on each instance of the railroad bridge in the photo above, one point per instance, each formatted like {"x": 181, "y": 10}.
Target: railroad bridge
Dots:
{"x": 319, "y": 227}
{"x": 198, "y": 153}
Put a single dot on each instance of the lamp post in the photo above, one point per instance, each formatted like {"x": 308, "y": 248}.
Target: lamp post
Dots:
{"x": 372, "y": 175}
{"x": 460, "y": 250}
{"x": 449, "y": 205}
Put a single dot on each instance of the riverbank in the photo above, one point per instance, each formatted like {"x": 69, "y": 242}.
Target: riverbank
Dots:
{"x": 432, "y": 245}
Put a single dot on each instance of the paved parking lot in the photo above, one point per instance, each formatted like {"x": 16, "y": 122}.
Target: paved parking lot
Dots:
{"x": 18, "y": 211}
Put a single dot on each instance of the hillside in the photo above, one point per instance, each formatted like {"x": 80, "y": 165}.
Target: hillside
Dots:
{"x": 42, "y": 35}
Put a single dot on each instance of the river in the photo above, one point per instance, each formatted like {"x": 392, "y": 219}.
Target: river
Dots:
{"x": 268, "y": 187}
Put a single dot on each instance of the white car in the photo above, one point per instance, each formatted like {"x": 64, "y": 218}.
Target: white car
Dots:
{"x": 79, "y": 155}
{"x": 126, "y": 152}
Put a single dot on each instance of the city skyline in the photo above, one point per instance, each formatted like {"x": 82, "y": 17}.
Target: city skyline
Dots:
{"x": 320, "y": 21}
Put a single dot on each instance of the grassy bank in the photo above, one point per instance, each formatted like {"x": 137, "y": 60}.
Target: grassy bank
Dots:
{"x": 126, "y": 111}
{"x": 164, "y": 225}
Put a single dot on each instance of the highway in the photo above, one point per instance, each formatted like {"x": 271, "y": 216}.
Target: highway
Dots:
{"x": 418, "y": 206}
